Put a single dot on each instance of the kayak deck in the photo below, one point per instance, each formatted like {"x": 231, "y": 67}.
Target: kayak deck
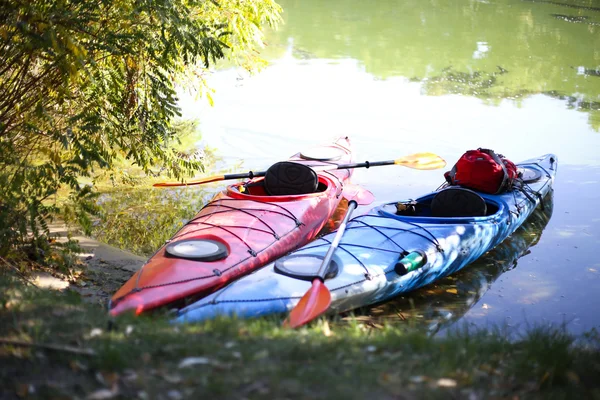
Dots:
{"x": 241, "y": 229}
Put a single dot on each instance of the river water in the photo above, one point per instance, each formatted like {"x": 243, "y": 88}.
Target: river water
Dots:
{"x": 443, "y": 76}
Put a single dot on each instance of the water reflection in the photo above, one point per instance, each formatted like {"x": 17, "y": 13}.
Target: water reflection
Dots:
{"x": 490, "y": 50}
{"x": 141, "y": 219}
{"x": 437, "y": 306}
{"x": 568, "y": 5}
{"x": 517, "y": 75}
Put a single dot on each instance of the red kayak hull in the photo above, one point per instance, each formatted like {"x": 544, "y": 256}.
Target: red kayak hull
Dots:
{"x": 255, "y": 229}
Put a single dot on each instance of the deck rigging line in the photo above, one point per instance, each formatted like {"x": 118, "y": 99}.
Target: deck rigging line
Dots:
{"x": 253, "y": 253}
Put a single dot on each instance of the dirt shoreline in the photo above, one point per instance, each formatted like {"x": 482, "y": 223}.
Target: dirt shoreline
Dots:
{"x": 105, "y": 268}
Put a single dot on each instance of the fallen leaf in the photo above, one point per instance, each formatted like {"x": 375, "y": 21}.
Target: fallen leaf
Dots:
{"x": 326, "y": 330}
{"x": 22, "y": 390}
{"x": 130, "y": 375}
{"x": 446, "y": 382}
{"x": 96, "y": 332}
{"x": 418, "y": 379}
{"x": 573, "y": 377}
{"x": 77, "y": 366}
{"x": 172, "y": 378}
{"x": 392, "y": 378}
{"x": 546, "y": 376}
{"x": 102, "y": 394}
{"x": 174, "y": 394}
{"x": 190, "y": 361}
{"x": 257, "y": 386}
{"x": 110, "y": 378}
{"x": 261, "y": 354}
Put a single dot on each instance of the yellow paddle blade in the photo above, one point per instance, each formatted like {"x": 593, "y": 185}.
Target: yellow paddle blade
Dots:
{"x": 421, "y": 161}
{"x": 214, "y": 178}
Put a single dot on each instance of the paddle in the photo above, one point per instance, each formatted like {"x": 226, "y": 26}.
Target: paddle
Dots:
{"x": 318, "y": 298}
{"x": 422, "y": 161}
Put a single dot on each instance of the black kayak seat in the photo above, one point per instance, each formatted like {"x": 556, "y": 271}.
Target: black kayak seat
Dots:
{"x": 290, "y": 178}
{"x": 458, "y": 202}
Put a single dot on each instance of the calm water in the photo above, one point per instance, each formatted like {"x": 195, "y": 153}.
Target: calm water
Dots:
{"x": 400, "y": 77}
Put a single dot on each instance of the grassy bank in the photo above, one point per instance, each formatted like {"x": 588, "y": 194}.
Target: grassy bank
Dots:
{"x": 147, "y": 358}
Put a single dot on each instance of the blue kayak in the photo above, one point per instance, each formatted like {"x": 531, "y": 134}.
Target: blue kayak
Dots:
{"x": 393, "y": 249}
{"x": 470, "y": 284}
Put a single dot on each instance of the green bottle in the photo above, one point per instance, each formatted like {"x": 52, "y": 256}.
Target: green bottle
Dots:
{"x": 410, "y": 262}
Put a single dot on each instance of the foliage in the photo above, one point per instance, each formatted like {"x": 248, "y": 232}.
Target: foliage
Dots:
{"x": 142, "y": 219}
{"x": 185, "y": 146}
{"x": 86, "y": 84}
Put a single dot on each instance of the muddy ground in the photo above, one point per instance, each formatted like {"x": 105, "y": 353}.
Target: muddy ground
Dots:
{"x": 104, "y": 269}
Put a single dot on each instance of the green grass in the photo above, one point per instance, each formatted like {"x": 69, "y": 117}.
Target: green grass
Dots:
{"x": 258, "y": 359}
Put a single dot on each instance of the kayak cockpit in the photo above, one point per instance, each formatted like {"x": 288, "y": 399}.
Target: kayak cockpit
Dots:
{"x": 284, "y": 178}
{"x": 257, "y": 188}
{"x": 453, "y": 205}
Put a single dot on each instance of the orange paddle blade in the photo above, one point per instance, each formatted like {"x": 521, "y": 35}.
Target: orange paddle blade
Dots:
{"x": 209, "y": 179}
{"x": 313, "y": 304}
{"x": 421, "y": 161}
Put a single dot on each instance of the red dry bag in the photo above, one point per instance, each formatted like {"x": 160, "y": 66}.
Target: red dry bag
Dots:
{"x": 484, "y": 171}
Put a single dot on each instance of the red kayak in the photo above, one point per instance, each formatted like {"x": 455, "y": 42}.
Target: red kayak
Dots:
{"x": 243, "y": 228}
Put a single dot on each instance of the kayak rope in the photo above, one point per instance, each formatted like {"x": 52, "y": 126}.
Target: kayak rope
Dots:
{"x": 537, "y": 165}
{"x": 285, "y": 213}
{"x": 229, "y": 209}
{"x": 253, "y": 253}
{"x": 548, "y": 174}
{"x": 359, "y": 220}
{"x": 368, "y": 277}
{"x": 215, "y": 301}
{"x": 371, "y": 277}
{"x": 250, "y": 250}
{"x": 430, "y": 238}
{"x": 528, "y": 191}
{"x": 220, "y": 272}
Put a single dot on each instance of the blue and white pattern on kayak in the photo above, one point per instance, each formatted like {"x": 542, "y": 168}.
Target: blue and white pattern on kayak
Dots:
{"x": 371, "y": 248}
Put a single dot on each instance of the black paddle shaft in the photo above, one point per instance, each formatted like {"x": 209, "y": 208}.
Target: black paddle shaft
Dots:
{"x": 365, "y": 164}
{"x": 244, "y": 175}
